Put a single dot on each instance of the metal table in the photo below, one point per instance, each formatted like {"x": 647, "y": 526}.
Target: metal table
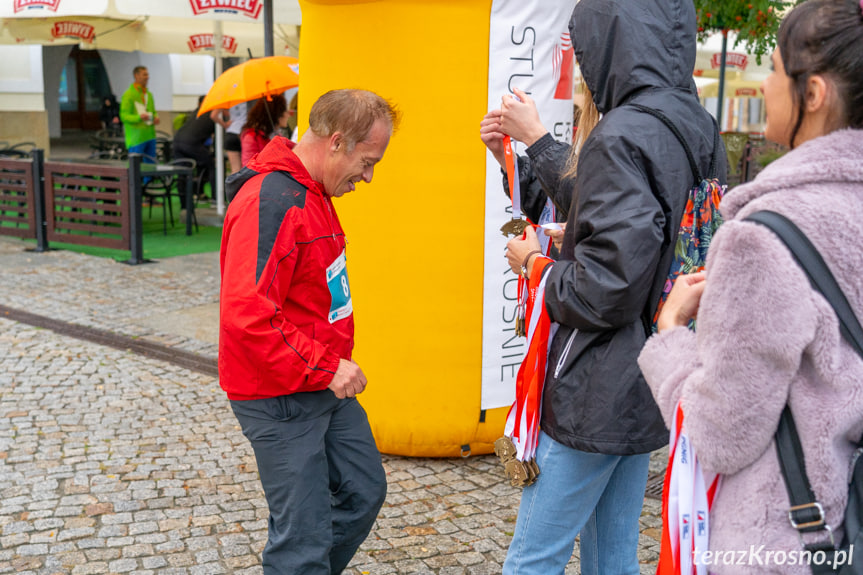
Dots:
{"x": 155, "y": 170}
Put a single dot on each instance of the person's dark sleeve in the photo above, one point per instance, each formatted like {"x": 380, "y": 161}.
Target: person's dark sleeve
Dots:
{"x": 618, "y": 238}
{"x": 541, "y": 177}
{"x": 550, "y": 161}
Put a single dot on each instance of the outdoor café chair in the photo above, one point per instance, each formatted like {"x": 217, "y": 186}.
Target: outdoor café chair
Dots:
{"x": 19, "y": 150}
{"x": 162, "y": 187}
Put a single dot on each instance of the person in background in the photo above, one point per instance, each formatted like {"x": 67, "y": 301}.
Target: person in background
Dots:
{"x": 632, "y": 179}
{"x": 765, "y": 338}
{"x": 233, "y": 120}
{"x": 265, "y": 118}
{"x": 287, "y": 334}
{"x": 109, "y": 115}
{"x": 138, "y": 114}
{"x": 193, "y": 140}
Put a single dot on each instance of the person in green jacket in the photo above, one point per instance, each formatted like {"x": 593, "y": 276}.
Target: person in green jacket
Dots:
{"x": 138, "y": 114}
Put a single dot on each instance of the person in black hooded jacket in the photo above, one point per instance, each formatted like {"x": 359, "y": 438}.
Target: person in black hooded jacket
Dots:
{"x": 632, "y": 179}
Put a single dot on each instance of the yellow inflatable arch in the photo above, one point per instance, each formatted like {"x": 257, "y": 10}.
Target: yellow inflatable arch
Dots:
{"x": 417, "y": 235}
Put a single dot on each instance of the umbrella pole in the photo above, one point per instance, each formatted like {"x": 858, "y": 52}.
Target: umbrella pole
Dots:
{"x": 719, "y": 96}
{"x": 269, "y": 115}
{"x": 268, "y": 28}
{"x": 219, "y": 185}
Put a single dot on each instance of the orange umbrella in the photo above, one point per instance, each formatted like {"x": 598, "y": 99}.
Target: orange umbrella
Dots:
{"x": 251, "y": 80}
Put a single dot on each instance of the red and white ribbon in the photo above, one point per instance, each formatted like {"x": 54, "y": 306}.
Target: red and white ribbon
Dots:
{"x": 522, "y": 421}
{"x": 512, "y": 175}
{"x": 687, "y": 497}
{"x": 549, "y": 212}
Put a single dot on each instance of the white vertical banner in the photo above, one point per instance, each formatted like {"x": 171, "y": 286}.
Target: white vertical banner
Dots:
{"x": 529, "y": 49}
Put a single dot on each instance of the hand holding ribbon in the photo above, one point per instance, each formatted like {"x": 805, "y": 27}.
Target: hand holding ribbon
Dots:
{"x": 519, "y": 118}
{"x": 492, "y": 136}
{"x": 518, "y": 248}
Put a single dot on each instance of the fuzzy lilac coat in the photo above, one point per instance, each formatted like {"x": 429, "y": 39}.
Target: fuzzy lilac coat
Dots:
{"x": 766, "y": 338}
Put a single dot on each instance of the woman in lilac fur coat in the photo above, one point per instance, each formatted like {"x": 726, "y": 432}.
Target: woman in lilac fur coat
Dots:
{"x": 765, "y": 338}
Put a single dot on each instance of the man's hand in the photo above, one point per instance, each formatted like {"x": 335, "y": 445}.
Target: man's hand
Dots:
{"x": 145, "y": 116}
{"x": 349, "y": 380}
{"x": 492, "y": 137}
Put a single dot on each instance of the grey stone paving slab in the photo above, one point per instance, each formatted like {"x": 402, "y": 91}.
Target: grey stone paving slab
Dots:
{"x": 115, "y": 463}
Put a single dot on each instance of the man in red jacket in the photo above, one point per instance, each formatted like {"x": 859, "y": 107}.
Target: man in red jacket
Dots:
{"x": 287, "y": 332}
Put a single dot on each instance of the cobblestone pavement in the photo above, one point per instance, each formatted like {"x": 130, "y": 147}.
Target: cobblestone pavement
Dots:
{"x": 111, "y": 462}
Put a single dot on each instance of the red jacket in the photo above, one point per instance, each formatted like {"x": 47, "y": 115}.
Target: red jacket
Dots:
{"x": 285, "y": 310}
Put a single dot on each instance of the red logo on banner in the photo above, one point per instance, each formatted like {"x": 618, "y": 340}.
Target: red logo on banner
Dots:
{"x": 72, "y": 29}
{"x": 733, "y": 59}
{"x": 27, "y": 4}
{"x": 562, "y": 63}
{"x": 746, "y": 92}
{"x": 250, "y": 8}
{"x": 200, "y": 42}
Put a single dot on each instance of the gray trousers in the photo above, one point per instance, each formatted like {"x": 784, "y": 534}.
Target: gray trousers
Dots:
{"x": 322, "y": 476}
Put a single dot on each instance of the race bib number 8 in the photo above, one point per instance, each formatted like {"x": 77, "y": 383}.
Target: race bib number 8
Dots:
{"x": 340, "y": 290}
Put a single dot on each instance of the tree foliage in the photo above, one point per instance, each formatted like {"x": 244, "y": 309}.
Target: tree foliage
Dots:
{"x": 756, "y": 22}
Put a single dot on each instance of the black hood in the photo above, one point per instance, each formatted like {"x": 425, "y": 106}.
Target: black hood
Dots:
{"x": 624, "y": 46}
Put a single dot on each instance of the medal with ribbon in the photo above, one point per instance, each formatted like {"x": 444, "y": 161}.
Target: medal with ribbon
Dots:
{"x": 516, "y": 225}
{"x": 517, "y": 449}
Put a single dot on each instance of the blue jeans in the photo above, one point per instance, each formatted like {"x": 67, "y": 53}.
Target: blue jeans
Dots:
{"x": 322, "y": 477}
{"x": 148, "y": 149}
{"x": 596, "y": 495}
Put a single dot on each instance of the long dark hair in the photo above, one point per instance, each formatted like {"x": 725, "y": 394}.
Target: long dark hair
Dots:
{"x": 825, "y": 37}
{"x": 262, "y": 122}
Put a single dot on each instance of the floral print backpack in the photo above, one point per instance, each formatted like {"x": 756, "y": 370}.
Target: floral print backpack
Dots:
{"x": 701, "y": 215}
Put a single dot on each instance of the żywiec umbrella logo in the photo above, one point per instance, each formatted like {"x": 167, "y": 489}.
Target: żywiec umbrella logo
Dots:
{"x": 72, "y": 29}
{"x": 200, "y": 42}
{"x": 37, "y": 4}
{"x": 562, "y": 63}
{"x": 733, "y": 59}
{"x": 250, "y": 8}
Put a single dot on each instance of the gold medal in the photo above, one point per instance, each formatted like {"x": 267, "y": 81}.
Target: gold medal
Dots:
{"x": 519, "y": 473}
{"x": 520, "y": 327}
{"x": 514, "y": 227}
{"x": 504, "y": 448}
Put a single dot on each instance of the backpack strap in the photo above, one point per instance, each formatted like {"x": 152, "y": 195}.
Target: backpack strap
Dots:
{"x": 696, "y": 173}
{"x": 806, "y": 513}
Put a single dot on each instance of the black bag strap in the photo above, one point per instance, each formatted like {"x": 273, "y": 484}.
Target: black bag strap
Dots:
{"x": 806, "y": 513}
{"x": 819, "y": 274}
{"x": 696, "y": 173}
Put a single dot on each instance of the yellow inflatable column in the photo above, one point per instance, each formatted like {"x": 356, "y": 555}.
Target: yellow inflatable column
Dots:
{"x": 415, "y": 235}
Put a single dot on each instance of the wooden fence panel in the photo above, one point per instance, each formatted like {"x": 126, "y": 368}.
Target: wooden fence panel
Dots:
{"x": 17, "y": 199}
{"x": 88, "y": 204}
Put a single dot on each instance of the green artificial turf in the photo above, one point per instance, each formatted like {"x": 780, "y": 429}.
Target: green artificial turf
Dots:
{"x": 156, "y": 243}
